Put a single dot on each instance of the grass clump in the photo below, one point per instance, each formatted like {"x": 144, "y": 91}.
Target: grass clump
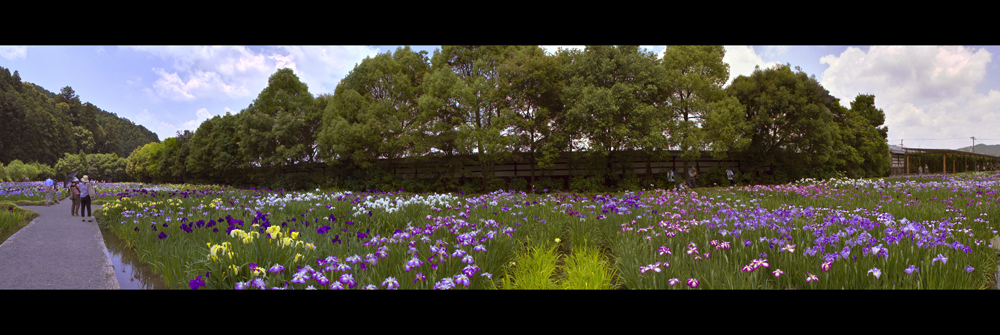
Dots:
{"x": 586, "y": 269}
{"x": 533, "y": 270}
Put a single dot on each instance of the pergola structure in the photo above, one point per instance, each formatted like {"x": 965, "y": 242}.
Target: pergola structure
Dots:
{"x": 915, "y": 158}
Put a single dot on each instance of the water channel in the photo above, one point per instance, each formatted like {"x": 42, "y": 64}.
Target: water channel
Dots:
{"x": 131, "y": 273}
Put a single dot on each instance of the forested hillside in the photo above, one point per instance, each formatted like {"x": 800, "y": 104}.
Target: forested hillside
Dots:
{"x": 41, "y": 126}
{"x": 984, "y": 149}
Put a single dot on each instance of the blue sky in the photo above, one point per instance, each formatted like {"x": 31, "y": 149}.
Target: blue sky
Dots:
{"x": 933, "y": 96}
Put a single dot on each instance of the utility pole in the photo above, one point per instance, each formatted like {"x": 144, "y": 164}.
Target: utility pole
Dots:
{"x": 973, "y": 144}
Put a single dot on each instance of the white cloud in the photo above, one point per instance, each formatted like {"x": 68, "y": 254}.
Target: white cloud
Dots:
{"x": 927, "y": 92}
{"x": 908, "y": 73}
{"x": 321, "y": 67}
{"x": 201, "y": 116}
{"x": 13, "y": 52}
{"x": 742, "y": 60}
{"x": 207, "y": 72}
{"x": 774, "y": 51}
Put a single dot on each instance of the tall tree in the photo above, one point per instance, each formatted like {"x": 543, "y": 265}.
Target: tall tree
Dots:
{"x": 789, "y": 121}
{"x": 462, "y": 87}
{"x": 533, "y": 82}
{"x": 215, "y": 152}
{"x": 615, "y": 100}
{"x": 279, "y": 126}
{"x": 374, "y": 112}
{"x": 703, "y": 114}
{"x": 869, "y": 136}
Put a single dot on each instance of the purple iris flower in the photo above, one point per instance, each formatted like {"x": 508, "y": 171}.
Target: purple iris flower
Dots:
{"x": 391, "y": 282}
{"x": 162, "y": 235}
{"x": 348, "y": 279}
{"x": 462, "y": 279}
{"x": 196, "y": 283}
{"x": 445, "y": 284}
{"x": 911, "y": 270}
{"x": 259, "y": 283}
{"x": 940, "y": 257}
{"x": 968, "y": 269}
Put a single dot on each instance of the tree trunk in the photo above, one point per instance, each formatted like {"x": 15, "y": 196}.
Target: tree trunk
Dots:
{"x": 532, "y": 162}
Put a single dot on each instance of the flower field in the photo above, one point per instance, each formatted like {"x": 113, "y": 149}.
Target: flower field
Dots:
{"x": 931, "y": 232}
{"x": 26, "y": 191}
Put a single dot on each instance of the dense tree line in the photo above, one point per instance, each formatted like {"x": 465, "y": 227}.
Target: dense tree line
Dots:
{"x": 486, "y": 105}
{"x": 43, "y": 128}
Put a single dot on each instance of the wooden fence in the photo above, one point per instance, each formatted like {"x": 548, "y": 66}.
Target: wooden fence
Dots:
{"x": 521, "y": 168}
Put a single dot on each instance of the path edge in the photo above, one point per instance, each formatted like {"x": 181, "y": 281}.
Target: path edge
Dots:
{"x": 12, "y": 237}
{"x": 109, "y": 267}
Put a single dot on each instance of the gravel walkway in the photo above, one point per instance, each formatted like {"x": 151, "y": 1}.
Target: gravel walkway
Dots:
{"x": 57, "y": 251}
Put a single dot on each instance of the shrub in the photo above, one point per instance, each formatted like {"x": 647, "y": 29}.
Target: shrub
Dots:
{"x": 471, "y": 185}
{"x": 551, "y": 184}
{"x": 518, "y": 184}
{"x": 715, "y": 176}
{"x": 587, "y": 184}
{"x": 630, "y": 182}
{"x": 496, "y": 184}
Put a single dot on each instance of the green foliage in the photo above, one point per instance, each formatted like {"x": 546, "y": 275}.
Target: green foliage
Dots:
{"x": 534, "y": 269}
{"x": 630, "y": 182}
{"x": 278, "y": 128}
{"x": 374, "y": 112}
{"x": 614, "y": 98}
{"x": 586, "y": 269}
{"x": 703, "y": 116}
{"x": 592, "y": 184}
{"x": 550, "y": 184}
{"x": 471, "y": 185}
{"x": 518, "y": 184}
{"x": 18, "y": 171}
{"x": 43, "y": 125}
{"x": 494, "y": 184}
{"x": 533, "y": 83}
{"x": 865, "y": 133}
{"x": 715, "y": 176}
{"x": 464, "y": 87}
{"x": 789, "y": 122}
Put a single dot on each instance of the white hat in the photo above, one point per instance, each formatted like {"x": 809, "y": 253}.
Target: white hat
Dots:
{"x": 85, "y": 179}
{"x": 75, "y": 179}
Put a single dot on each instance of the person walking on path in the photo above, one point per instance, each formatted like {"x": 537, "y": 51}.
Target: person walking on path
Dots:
{"x": 729, "y": 174}
{"x": 50, "y": 191}
{"x": 75, "y": 196}
{"x": 86, "y": 189}
{"x": 690, "y": 179}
